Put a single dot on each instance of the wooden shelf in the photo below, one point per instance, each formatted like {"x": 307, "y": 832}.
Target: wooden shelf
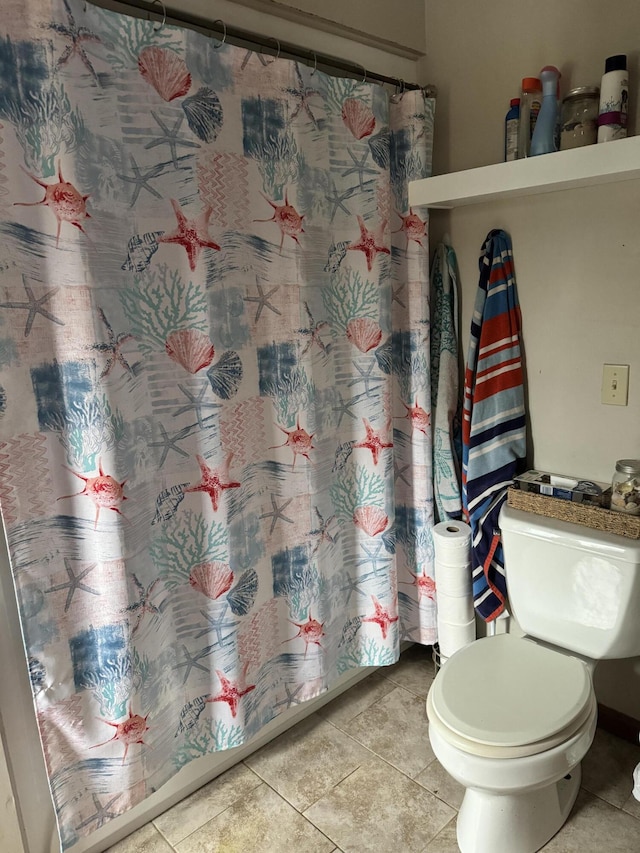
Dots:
{"x": 581, "y": 167}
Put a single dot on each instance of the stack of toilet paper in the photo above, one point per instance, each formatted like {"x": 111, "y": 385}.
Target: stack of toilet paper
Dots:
{"x": 454, "y": 596}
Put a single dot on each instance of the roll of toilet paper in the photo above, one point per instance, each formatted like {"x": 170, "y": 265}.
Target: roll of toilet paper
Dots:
{"x": 451, "y": 537}
{"x": 453, "y": 579}
{"x": 452, "y": 636}
{"x": 454, "y": 608}
{"x": 454, "y": 595}
{"x": 452, "y": 545}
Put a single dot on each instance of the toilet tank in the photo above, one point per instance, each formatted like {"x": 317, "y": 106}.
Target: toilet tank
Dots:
{"x": 572, "y": 586}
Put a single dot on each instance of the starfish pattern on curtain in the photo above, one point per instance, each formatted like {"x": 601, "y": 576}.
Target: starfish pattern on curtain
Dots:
{"x": 215, "y": 434}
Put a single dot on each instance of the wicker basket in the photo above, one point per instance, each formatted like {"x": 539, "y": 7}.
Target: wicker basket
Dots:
{"x": 590, "y": 516}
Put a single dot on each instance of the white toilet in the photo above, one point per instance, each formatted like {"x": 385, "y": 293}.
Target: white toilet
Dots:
{"x": 510, "y": 717}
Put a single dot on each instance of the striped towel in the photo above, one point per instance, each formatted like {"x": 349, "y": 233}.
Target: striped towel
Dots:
{"x": 493, "y": 419}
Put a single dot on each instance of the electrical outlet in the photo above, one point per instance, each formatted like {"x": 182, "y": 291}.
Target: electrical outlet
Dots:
{"x": 615, "y": 384}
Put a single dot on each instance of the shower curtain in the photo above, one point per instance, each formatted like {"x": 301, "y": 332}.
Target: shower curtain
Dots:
{"x": 215, "y": 437}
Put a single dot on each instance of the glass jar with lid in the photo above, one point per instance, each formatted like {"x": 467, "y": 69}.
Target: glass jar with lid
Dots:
{"x": 579, "y": 121}
{"x": 625, "y": 487}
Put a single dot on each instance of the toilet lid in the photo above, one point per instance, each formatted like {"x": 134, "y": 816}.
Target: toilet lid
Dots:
{"x": 507, "y": 691}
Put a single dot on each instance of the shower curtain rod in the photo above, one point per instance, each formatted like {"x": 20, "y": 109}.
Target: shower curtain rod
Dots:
{"x": 249, "y": 39}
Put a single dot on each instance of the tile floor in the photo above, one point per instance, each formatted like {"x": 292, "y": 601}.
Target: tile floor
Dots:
{"x": 359, "y": 776}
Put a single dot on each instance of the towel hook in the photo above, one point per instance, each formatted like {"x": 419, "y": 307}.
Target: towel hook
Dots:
{"x": 164, "y": 15}
{"x": 224, "y": 33}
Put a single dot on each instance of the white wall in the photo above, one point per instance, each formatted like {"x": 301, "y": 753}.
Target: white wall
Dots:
{"x": 577, "y": 252}
{"x": 368, "y": 21}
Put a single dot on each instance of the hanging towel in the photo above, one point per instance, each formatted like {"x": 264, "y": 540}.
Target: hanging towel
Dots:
{"x": 445, "y": 399}
{"x": 493, "y": 422}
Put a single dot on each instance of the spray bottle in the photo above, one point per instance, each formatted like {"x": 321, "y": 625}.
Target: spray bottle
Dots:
{"x": 543, "y": 140}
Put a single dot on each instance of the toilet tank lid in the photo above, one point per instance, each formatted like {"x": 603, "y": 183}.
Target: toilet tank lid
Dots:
{"x": 571, "y": 535}
{"x": 508, "y": 691}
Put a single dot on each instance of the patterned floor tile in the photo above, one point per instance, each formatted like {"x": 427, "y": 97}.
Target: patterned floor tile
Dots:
{"x": 436, "y": 779}
{"x": 395, "y": 728}
{"x": 260, "y": 823}
{"x": 145, "y": 840}
{"x": 194, "y": 811}
{"x": 607, "y": 769}
{"x": 414, "y": 671}
{"x": 326, "y": 767}
{"x": 378, "y": 808}
{"x": 445, "y": 841}
{"x": 632, "y": 807}
{"x": 306, "y": 762}
{"x": 356, "y": 700}
{"x": 596, "y": 826}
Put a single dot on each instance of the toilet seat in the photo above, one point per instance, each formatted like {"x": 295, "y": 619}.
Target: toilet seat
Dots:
{"x": 505, "y": 696}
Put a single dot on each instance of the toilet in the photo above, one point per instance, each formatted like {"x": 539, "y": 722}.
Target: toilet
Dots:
{"x": 511, "y": 717}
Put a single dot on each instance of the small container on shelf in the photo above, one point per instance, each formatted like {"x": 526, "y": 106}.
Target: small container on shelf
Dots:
{"x": 530, "y": 103}
{"x": 614, "y": 99}
{"x": 625, "y": 487}
{"x": 580, "y": 117}
{"x": 511, "y": 126}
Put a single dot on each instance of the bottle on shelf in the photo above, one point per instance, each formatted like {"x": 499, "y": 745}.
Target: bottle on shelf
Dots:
{"x": 558, "y": 128}
{"x": 614, "y": 96}
{"x": 543, "y": 140}
{"x": 511, "y": 126}
{"x": 530, "y": 102}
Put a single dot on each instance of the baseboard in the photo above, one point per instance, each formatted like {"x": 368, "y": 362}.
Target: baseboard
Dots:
{"x": 619, "y": 724}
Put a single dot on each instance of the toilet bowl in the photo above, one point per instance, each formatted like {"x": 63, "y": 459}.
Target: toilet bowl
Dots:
{"x": 511, "y": 718}
{"x": 511, "y": 721}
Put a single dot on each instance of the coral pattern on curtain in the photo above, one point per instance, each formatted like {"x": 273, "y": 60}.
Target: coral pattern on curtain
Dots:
{"x": 215, "y": 439}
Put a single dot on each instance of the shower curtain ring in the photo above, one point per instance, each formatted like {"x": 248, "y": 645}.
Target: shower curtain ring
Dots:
{"x": 315, "y": 63}
{"x": 273, "y": 58}
{"x": 277, "y": 56}
{"x": 364, "y": 76}
{"x": 164, "y": 15}
{"x": 224, "y": 33}
{"x": 400, "y": 89}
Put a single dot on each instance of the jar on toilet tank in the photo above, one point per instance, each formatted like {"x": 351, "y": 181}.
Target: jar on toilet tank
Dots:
{"x": 625, "y": 487}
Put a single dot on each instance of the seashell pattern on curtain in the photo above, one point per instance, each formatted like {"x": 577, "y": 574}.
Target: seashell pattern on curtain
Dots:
{"x": 215, "y": 436}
